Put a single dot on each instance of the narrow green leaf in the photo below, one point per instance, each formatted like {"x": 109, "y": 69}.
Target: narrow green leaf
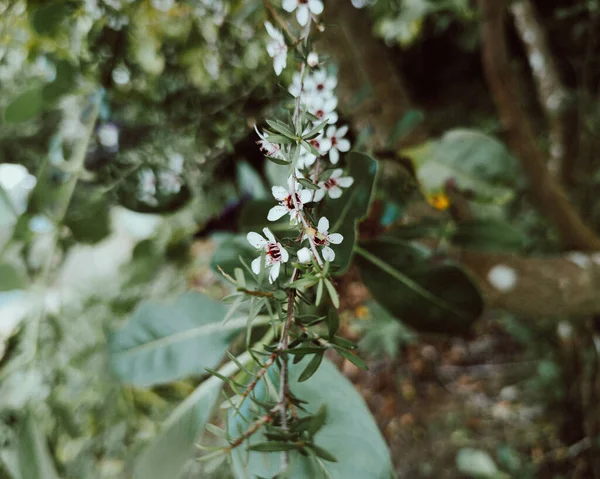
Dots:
{"x": 323, "y": 453}
{"x": 26, "y": 106}
{"x": 353, "y": 358}
{"x": 308, "y": 184}
{"x": 335, "y": 299}
{"x": 319, "y": 292}
{"x": 333, "y": 322}
{"x": 311, "y": 367}
{"x": 273, "y": 446}
{"x": 282, "y": 128}
{"x": 278, "y": 161}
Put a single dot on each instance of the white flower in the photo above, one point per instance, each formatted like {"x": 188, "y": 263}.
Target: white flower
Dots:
{"x": 275, "y": 253}
{"x": 312, "y": 59}
{"x": 170, "y": 182}
{"x": 286, "y": 203}
{"x": 323, "y": 238}
{"x": 333, "y": 185}
{"x": 335, "y": 142}
{"x": 322, "y": 107}
{"x": 307, "y": 157}
{"x": 295, "y": 87}
{"x": 268, "y": 148}
{"x": 276, "y": 48}
{"x": 320, "y": 83}
{"x": 147, "y": 187}
{"x": 304, "y": 255}
{"x": 108, "y": 136}
{"x": 305, "y": 8}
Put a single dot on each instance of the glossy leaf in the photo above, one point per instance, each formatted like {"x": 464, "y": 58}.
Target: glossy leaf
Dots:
{"x": 431, "y": 296}
{"x": 346, "y": 212}
{"x": 357, "y": 444}
{"x": 166, "y": 342}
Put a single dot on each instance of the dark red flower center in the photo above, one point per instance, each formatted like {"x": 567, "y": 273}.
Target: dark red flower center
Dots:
{"x": 289, "y": 203}
{"x": 274, "y": 252}
{"x": 330, "y": 183}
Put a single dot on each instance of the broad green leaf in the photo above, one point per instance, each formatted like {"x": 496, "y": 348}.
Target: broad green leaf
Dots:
{"x": 488, "y": 235}
{"x": 174, "y": 445}
{"x": 166, "y": 342}
{"x": 35, "y": 461}
{"x": 474, "y": 160}
{"x": 250, "y": 182}
{"x": 431, "y": 296}
{"x": 25, "y": 107}
{"x": 350, "y": 433}
{"x": 346, "y": 212}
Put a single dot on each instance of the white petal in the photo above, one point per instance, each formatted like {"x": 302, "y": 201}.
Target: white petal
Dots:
{"x": 316, "y": 6}
{"x": 323, "y": 225}
{"x": 309, "y": 159}
{"x": 319, "y": 195}
{"x": 280, "y": 193}
{"x": 289, "y": 5}
{"x": 255, "y": 265}
{"x": 284, "y": 254}
{"x": 335, "y": 192}
{"x": 325, "y": 145}
{"x": 277, "y": 212}
{"x": 346, "y": 182}
{"x": 335, "y": 238}
{"x": 334, "y": 156}
{"x": 336, "y": 173}
{"x": 302, "y": 14}
{"x": 343, "y": 145}
{"x": 256, "y": 240}
{"x": 279, "y": 63}
{"x": 271, "y": 30}
{"x": 304, "y": 255}
{"x": 269, "y": 235}
{"x": 274, "y": 274}
{"x": 342, "y": 130}
{"x": 330, "y": 132}
{"x": 306, "y": 196}
{"x": 330, "y": 104}
{"x": 328, "y": 253}
{"x": 332, "y": 118}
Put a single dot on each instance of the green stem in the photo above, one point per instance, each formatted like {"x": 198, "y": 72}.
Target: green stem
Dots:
{"x": 76, "y": 166}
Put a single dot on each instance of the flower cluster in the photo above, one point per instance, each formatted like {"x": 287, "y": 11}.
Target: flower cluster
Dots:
{"x": 308, "y": 147}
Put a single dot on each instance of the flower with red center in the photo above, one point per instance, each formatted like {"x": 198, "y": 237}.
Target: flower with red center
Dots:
{"x": 286, "y": 203}
{"x": 333, "y": 185}
{"x": 268, "y": 148}
{"x": 323, "y": 238}
{"x": 334, "y": 142}
{"x": 322, "y": 107}
{"x": 275, "y": 253}
{"x": 304, "y": 8}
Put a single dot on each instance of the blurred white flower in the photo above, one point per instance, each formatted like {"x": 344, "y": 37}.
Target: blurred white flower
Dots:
{"x": 303, "y": 9}
{"x": 276, "y": 48}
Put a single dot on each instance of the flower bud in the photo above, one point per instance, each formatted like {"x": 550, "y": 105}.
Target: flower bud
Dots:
{"x": 312, "y": 59}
